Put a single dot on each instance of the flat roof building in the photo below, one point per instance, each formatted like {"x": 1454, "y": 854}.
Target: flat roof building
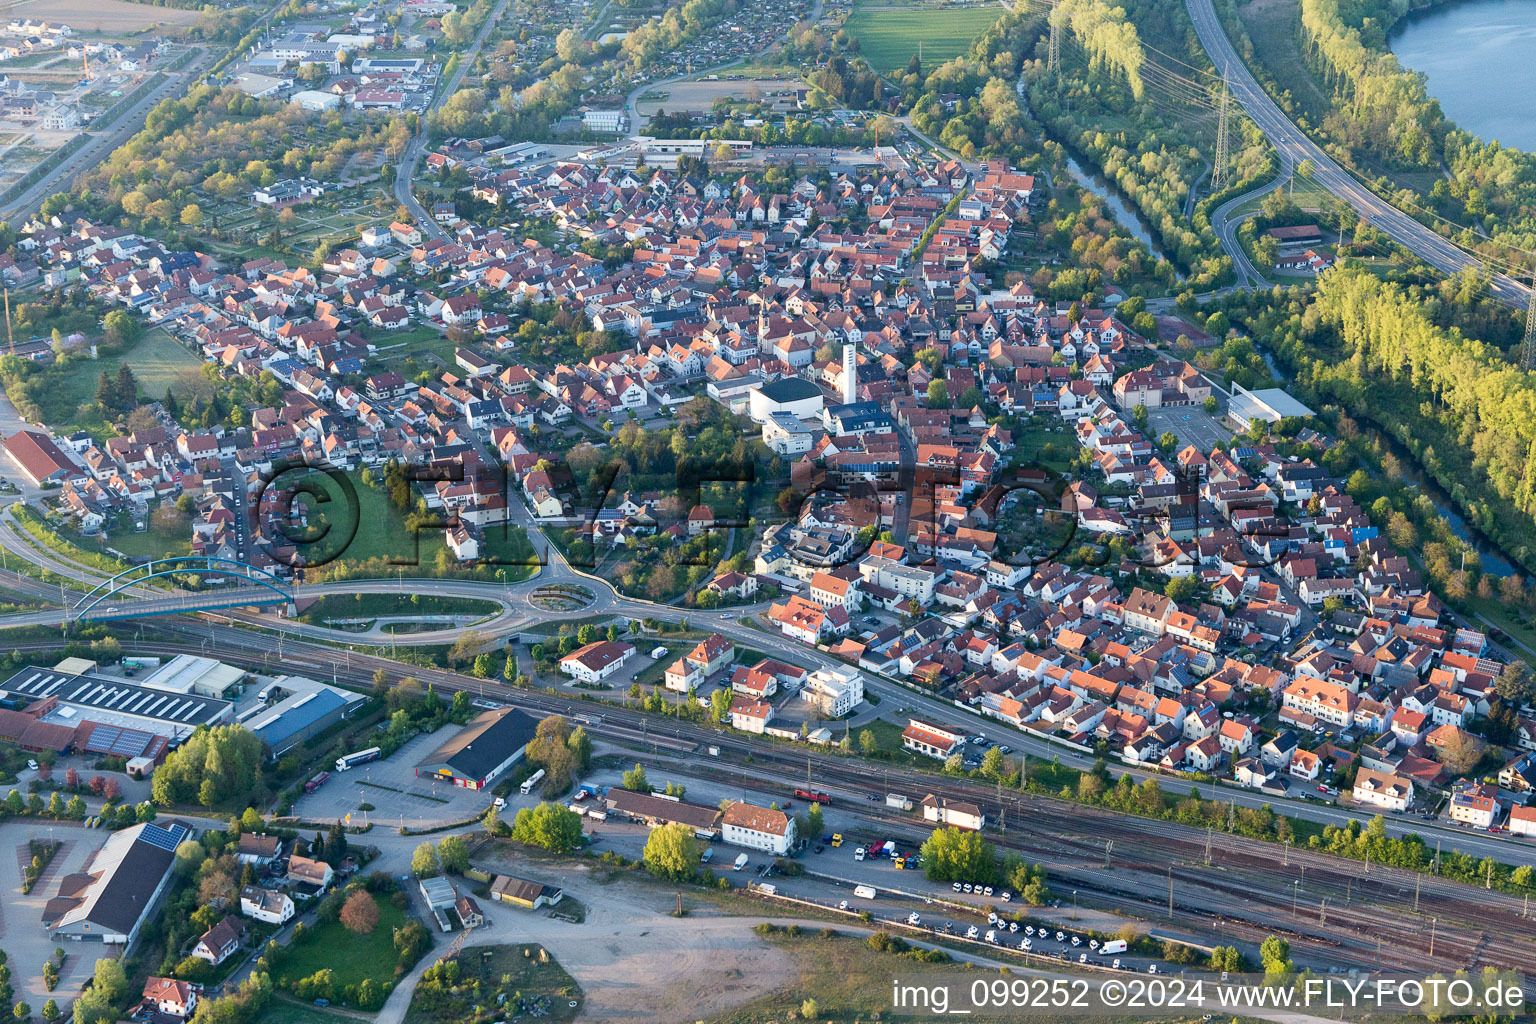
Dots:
{"x": 1267, "y": 405}
{"x": 72, "y": 699}
{"x": 793, "y": 395}
{"x": 304, "y": 707}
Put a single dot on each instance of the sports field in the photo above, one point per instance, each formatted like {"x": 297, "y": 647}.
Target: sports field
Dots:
{"x": 889, "y": 32}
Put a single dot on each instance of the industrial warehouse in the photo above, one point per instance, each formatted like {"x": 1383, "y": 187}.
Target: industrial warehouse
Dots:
{"x": 481, "y": 751}
{"x": 79, "y": 705}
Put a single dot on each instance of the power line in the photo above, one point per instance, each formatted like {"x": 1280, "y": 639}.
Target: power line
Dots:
{"x": 1053, "y": 62}
{"x": 1219, "y": 171}
{"x": 1528, "y": 347}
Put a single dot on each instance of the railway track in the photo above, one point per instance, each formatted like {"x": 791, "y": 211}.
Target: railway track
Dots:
{"x": 1065, "y": 837}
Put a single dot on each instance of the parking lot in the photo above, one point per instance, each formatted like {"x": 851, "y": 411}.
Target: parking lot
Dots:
{"x": 391, "y": 786}
{"x": 1190, "y": 424}
{"x": 21, "y": 917}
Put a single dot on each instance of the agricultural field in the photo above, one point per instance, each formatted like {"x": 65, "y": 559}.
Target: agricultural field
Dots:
{"x": 113, "y": 16}
{"x": 889, "y": 33}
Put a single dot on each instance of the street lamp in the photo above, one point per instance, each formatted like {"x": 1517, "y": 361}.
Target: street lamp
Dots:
{"x": 1074, "y": 904}
{"x": 1295, "y": 892}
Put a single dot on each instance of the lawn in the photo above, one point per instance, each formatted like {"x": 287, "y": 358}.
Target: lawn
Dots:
{"x": 372, "y": 606}
{"x": 382, "y": 532}
{"x": 157, "y": 360}
{"x": 169, "y": 534}
{"x": 351, "y": 957}
{"x": 889, "y": 33}
{"x": 530, "y": 980}
{"x": 283, "y": 1009}
{"x": 888, "y": 744}
{"x": 1035, "y": 443}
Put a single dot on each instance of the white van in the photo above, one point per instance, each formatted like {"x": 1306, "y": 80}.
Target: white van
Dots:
{"x": 864, "y": 892}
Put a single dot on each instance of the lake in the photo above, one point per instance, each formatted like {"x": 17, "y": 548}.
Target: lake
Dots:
{"x": 1478, "y": 59}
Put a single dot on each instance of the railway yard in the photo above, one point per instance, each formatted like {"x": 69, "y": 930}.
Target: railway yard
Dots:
{"x": 1219, "y": 888}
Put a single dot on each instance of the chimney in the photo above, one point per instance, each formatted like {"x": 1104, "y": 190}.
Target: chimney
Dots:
{"x": 850, "y": 375}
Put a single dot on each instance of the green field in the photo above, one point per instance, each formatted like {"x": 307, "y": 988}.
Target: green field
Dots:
{"x": 382, "y": 537}
{"x": 157, "y": 360}
{"x": 169, "y": 533}
{"x": 370, "y": 606}
{"x": 284, "y": 1009}
{"x": 889, "y": 31}
{"x": 350, "y": 957}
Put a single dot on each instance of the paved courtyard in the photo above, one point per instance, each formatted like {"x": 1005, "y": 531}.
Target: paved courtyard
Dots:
{"x": 21, "y": 917}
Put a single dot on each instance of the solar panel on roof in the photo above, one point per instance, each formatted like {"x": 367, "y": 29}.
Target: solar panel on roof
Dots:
{"x": 102, "y": 738}
{"x": 130, "y": 743}
{"x": 166, "y": 838}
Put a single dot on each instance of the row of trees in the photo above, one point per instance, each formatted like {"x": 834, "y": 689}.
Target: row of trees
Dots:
{"x": 1383, "y": 350}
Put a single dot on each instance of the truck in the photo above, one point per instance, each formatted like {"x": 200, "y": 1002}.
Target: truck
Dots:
{"x": 1112, "y": 947}
{"x": 874, "y": 849}
{"x": 361, "y": 757}
{"x": 316, "y": 782}
{"x": 531, "y": 781}
{"x": 896, "y": 800}
{"x": 864, "y": 892}
{"x": 741, "y": 862}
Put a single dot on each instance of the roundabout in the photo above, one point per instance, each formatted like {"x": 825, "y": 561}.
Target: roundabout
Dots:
{"x": 562, "y": 597}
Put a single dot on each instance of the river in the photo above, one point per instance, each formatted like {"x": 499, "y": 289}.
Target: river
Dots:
{"x": 1477, "y": 57}
{"x": 1493, "y": 560}
{"x": 1122, "y": 210}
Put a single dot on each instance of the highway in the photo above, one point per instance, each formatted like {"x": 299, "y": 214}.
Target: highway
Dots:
{"x": 405, "y": 170}
{"x": 1294, "y": 146}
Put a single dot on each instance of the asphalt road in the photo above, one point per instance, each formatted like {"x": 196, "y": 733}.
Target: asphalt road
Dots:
{"x": 103, "y": 143}
{"x": 1294, "y": 146}
{"x": 405, "y": 171}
